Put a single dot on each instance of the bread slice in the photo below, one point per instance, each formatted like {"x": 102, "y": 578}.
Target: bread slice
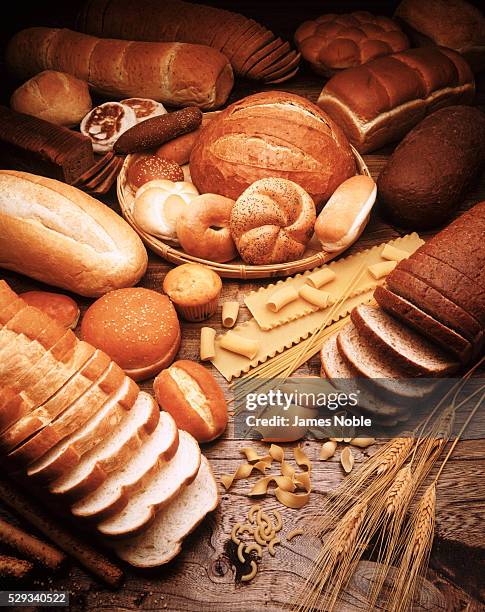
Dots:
{"x": 97, "y": 362}
{"x": 68, "y": 452}
{"x": 365, "y": 358}
{"x": 421, "y": 321}
{"x": 165, "y": 485}
{"x": 337, "y": 371}
{"x": 7, "y": 312}
{"x": 162, "y": 541}
{"x": 7, "y": 296}
{"x": 132, "y": 477}
{"x": 433, "y": 302}
{"x": 409, "y": 350}
{"x": 110, "y": 454}
{"x": 13, "y": 407}
{"x": 112, "y": 386}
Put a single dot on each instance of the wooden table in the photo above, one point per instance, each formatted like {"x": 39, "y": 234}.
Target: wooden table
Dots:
{"x": 203, "y": 576}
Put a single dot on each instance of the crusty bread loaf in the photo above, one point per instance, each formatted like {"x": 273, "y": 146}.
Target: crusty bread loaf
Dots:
{"x": 379, "y": 102}
{"x": 455, "y": 24}
{"x": 174, "y": 73}
{"x": 428, "y": 174}
{"x": 162, "y": 541}
{"x": 73, "y": 241}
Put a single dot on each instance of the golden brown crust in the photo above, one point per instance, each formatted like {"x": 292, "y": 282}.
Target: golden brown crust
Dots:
{"x": 192, "y": 285}
{"x": 61, "y": 308}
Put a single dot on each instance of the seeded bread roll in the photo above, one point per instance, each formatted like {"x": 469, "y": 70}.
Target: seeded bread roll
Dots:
{"x": 157, "y": 130}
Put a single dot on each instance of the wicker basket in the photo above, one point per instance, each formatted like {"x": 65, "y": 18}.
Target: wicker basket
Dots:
{"x": 235, "y": 269}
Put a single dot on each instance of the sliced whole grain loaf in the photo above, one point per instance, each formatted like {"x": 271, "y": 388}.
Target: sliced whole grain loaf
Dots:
{"x": 164, "y": 485}
{"x": 113, "y": 385}
{"x": 133, "y": 476}
{"x": 68, "y": 452}
{"x": 427, "y": 325}
{"x": 452, "y": 284}
{"x": 410, "y": 351}
{"x": 110, "y": 454}
{"x": 337, "y": 371}
{"x": 435, "y": 303}
{"x": 364, "y": 357}
{"x": 162, "y": 541}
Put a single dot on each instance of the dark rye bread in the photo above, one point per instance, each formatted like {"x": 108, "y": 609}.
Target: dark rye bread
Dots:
{"x": 435, "y": 303}
{"x": 38, "y": 146}
{"x": 403, "y": 347}
{"x": 362, "y": 355}
{"x": 427, "y": 325}
{"x": 337, "y": 371}
{"x": 452, "y": 284}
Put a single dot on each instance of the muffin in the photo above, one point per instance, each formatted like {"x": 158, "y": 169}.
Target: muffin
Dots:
{"x": 194, "y": 289}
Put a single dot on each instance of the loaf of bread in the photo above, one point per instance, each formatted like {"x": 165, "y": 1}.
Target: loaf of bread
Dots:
{"x": 59, "y": 235}
{"x": 36, "y": 145}
{"x": 455, "y": 24}
{"x": 379, "y": 102}
{"x": 54, "y": 96}
{"x": 271, "y": 135}
{"x": 173, "y": 73}
{"x": 252, "y": 49}
{"x": 429, "y": 172}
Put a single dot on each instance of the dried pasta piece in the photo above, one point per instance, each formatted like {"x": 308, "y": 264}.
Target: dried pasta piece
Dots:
{"x": 292, "y": 534}
{"x": 240, "y": 555}
{"x": 279, "y": 520}
{"x": 379, "y": 270}
{"x": 234, "y": 533}
{"x": 252, "y": 573}
{"x": 302, "y": 458}
{"x": 277, "y": 453}
{"x": 292, "y": 500}
{"x": 246, "y": 529}
{"x": 314, "y": 296}
{"x": 347, "y": 460}
{"x": 230, "y": 312}
{"x": 281, "y": 297}
{"x": 252, "y": 455}
{"x": 207, "y": 343}
{"x": 252, "y": 511}
{"x": 238, "y": 344}
{"x": 328, "y": 449}
{"x": 320, "y": 277}
{"x": 243, "y": 471}
{"x": 254, "y": 547}
{"x": 261, "y": 466}
{"x": 261, "y": 486}
{"x": 362, "y": 442}
{"x": 267, "y": 536}
{"x": 303, "y": 480}
{"x": 392, "y": 253}
{"x": 259, "y": 538}
{"x": 272, "y": 544}
{"x": 287, "y": 469}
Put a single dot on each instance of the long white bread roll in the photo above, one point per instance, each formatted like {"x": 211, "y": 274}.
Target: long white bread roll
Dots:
{"x": 178, "y": 74}
{"x": 57, "y": 234}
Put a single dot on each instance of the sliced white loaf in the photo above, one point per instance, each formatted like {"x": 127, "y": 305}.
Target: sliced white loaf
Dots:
{"x": 115, "y": 450}
{"x": 162, "y": 541}
{"x": 162, "y": 488}
{"x": 132, "y": 477}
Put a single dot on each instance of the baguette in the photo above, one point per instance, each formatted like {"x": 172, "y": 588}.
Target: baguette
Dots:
{"x": 379, "y": 102}
{"x": 73, "y": 241}
{"x": 11, "y": 567}
{"x": 177, "y": 74}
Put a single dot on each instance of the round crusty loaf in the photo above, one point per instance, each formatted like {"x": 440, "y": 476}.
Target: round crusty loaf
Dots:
{"x": 271, "y": 134}
{"x": 59, "y": 235}
{"x": 53, "y": 96}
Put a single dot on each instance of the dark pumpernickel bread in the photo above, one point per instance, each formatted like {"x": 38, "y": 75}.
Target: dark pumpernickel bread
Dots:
{"x": 452, "y": 284}
{"x": 400, "y": 345}
{"x": 430, "y": 171}
{"x": 427, "y": 325}
{"x": 365, "y": 358}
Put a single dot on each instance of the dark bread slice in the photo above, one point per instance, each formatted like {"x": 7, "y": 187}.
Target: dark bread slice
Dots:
{"x": 433, "y": 302}
{"x": 362, "y": 355}
{"x": 427, "y": 325}
{"x": 452, "y": 284}
{"x": 409, "y": 350}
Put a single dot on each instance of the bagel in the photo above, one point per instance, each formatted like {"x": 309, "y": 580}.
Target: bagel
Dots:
{"x": 203, "y": 228}
{"x": 272, "y": 221}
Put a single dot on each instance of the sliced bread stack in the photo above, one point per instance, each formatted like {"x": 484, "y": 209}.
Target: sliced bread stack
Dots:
{"x": 72, "y": 420}
{"x": 430, "y": 318}
{"x": 253, "y": 50}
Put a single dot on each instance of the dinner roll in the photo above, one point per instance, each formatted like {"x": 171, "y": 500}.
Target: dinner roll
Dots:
{"x": 151, "y": 167}
{"x": 272, "y": 221}
{"x": 53, "y": 96}
{"x": 158, "y": 204}
{"x": 60, "y": 307}
{"x": 138, "y": 328}
{"x": 203, "y": 228}
{"x": 194, "y": 398}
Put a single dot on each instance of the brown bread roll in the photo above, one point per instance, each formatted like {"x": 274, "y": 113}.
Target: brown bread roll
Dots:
{"x": 430, "y": 171}
{"x": 157, "y": 130}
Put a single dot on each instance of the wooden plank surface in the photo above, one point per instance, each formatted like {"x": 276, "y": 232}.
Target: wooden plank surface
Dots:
{"x": 203, "y": 576}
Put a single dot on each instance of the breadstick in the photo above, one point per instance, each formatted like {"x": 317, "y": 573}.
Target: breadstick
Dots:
{"x": 237, "y": 344}
{"x": 89, "y": 558}
{"x": 230, "y": 311}
{"x": 281, "y": 298}
{"x": 207, "y": 347}
{"x": 392, "y": 253}
{"x": 320, "y": 277}
{"x": 314, "y": 296}
{"x": 30, "y": 546}
{"x": 11, "y": 567}
{"x": 380, "y": 270}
